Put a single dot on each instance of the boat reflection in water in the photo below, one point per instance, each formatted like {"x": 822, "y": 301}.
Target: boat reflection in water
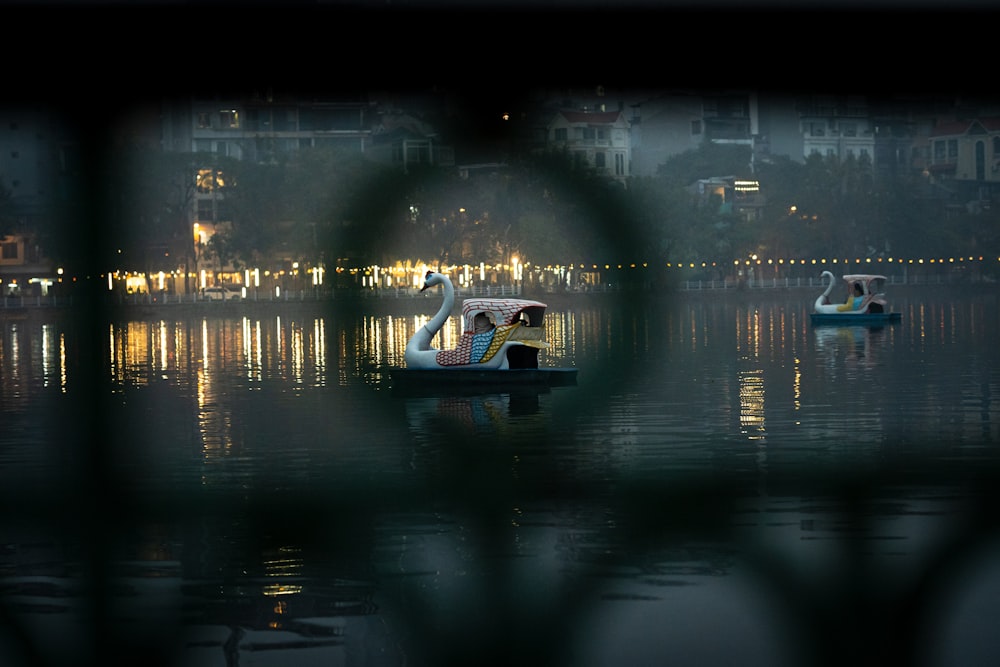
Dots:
{"x": 858, "y": 346}
{"x": 490, "y": 414}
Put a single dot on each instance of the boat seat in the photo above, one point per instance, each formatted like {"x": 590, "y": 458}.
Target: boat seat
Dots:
{"x": 522, "y": 356}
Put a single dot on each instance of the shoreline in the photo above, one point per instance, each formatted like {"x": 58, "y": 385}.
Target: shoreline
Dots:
{"x": 417, "y": 304}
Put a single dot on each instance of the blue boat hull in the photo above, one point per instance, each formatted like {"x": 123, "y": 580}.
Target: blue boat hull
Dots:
{"x": 867, "y": 319}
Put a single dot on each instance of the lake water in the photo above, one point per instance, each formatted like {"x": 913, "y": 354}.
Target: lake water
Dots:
{"x": 725, "y": 484}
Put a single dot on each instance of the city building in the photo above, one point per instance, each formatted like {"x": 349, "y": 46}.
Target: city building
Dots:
{"x": 733, "y": 195}
{"x": 39, "y": 158}
{"x": 965, "y": 154}
{"x": 595, "y": 139}
{"x": 954, "y": 144}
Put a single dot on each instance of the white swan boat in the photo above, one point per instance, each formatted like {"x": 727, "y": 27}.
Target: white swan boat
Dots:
{"x": 865, "y": 303}
{"x": 506, "y": 353}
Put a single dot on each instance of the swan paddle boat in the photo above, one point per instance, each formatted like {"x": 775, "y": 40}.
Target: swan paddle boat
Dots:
{"x": 499, "y": 345}
{"x": 865, "y": 303}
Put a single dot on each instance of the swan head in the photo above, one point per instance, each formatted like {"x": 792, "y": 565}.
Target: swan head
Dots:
{"x": 432, "y": 279}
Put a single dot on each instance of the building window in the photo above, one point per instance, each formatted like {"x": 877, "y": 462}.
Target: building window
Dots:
{"x": 204, "y": 122}
{"x": 9, "y": 250}
{"x": 284, "y": 120}
{"x": 599, "y": 160}
{"x": 222, "y": 212}
{"x": 939, "y": 147}
{"x": 560, "y": 134}
{"x": 619, "y": 164}
{"x": 205, "y": 210}
{"x": 696, "y": 127}
{"x": 229, "y": 118}
{"x": 253, "y": 119}
{"x": 208, "y": 180}
{"x": 589, "y": 134}
{"x": 953, "y": 148}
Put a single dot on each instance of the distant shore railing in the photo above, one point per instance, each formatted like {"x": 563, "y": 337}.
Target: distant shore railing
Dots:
{"x": 24, "y": 302}
{"x": 818, "y": 282}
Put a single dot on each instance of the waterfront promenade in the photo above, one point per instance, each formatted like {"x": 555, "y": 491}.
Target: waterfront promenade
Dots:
{"x": 21, "y": 303}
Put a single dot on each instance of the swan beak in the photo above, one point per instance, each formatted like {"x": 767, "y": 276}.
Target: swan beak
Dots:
{"x": 424, "y": 287}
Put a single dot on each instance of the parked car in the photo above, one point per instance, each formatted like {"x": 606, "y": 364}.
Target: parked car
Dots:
{"x": 222, "y": 293}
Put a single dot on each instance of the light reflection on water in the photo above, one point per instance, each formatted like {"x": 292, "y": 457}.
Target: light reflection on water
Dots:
{"x": 718, "y": 462}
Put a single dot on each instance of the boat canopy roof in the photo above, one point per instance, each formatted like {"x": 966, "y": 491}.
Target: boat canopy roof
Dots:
{"x": 871, "y": 283}
{"x": 863, "y": 277}
{"x": 503, "y": 311}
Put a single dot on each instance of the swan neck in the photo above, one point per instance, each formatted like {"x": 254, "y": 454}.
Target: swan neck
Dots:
{"x": 436, "y": 322}
{"x": 821, "y": 300}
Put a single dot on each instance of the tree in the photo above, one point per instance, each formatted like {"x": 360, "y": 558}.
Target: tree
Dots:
{"x": 589, "y": 212}
{"x": 220, "y": 245}
{"x": 150, "y": 214}
{"x": 256, "y": 207}
{"x": 706, "y": 161}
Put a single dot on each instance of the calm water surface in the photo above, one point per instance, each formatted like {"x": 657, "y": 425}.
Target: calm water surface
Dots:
{"x": 726, "y": 484}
